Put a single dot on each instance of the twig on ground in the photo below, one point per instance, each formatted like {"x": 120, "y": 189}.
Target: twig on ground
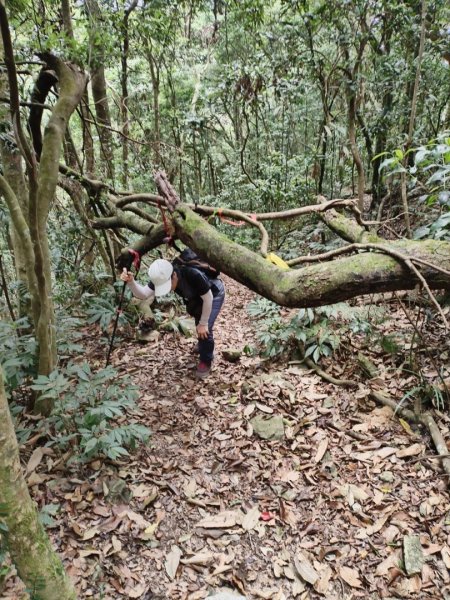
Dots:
{"x": 426, "y": 419}
{"x": 327, "y": 376}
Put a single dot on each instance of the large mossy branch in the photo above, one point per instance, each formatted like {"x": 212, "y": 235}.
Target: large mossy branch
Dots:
{"x": 315, "y": 285}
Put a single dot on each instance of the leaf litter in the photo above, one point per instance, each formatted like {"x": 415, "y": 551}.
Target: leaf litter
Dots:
{"x": 323, "y": 512}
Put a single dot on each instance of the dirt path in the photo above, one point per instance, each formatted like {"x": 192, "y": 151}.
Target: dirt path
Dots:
{"x": 322, "y": 513}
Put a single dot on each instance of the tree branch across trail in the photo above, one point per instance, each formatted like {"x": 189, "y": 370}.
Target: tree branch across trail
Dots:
{"x": 389, "y": 268}
{"x": 375, "y": 265}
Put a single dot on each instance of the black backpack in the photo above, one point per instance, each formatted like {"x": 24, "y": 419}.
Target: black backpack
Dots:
{"x": 188, "y": 258}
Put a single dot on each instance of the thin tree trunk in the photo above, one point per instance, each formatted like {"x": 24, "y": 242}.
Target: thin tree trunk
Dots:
{"x": 412, "y": 117}
{"x": 37, "y": 564}
{"x": 155, "y": 75}
{"x": 354, "y": 147}
{"x": 98, "y": 86}
{"x": 124, "y": 86}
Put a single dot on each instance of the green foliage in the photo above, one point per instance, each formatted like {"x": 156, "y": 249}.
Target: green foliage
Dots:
{"x": 89, "y": 410}
{"x": 433, "y": 160}
{"x": 102, "y": 308}
{"x": 425, "y": 393}
{"x": 47, "y": 514}
{"x": 18, "y": 349}
{"x": 432, "y": 163}
{"x": 314, "y": 331}
{"x": 308, "y": 329}
{"x": 17, "y": 353}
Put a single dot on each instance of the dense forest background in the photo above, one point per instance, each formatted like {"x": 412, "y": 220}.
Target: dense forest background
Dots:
{"x": 250, "y": 107}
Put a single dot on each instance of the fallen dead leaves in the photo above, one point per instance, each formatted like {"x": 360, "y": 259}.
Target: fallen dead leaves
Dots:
{"x": 322, "y": 513}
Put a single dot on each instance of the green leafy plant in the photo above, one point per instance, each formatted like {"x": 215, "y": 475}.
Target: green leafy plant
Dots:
{"x": 103, "y": 310}
{"x": 47, "y": 514}
{"x": 432, "y": 163}
{"x": 88, "y": 409}
{"x": 307, "y": 328}
{"x": 17, "y": 353}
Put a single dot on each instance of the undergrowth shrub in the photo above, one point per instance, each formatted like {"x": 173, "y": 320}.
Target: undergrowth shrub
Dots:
{"x": 312, "y": 331}
{"x": 18, "y": 349}
{"x": 18, "y": 353}
{"x": 89, "y": 412}
{"x": 308, "y": 329}
{"x": 102, "y": 308}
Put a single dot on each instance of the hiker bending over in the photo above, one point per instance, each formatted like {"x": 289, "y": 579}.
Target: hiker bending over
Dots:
{"x": 202, "y": 295}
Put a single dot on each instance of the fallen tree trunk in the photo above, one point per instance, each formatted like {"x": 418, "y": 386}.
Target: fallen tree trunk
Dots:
{"x": 333, "y": 281}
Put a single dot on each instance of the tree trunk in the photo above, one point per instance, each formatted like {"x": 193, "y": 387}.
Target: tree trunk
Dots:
{"x": 412, "y": 117}
{"x": 155, "y": 76}
{"x": 71, "y": 85}
{"x": 98, "y": 85}
{"x": 325, "y": 283}
{"x": 124, "y": 86}
{"x": 37, "y": 564}
{"x": 31, "y": 222}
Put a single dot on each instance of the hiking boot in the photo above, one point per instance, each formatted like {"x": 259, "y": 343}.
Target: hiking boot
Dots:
{"x": 203, "y": 369}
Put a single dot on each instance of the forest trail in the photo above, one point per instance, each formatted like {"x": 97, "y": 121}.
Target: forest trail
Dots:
{"x": 321, "y": 513}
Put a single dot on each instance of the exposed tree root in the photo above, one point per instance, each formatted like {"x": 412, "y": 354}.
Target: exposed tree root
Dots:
{"x": 327, "y": 377}
{"x": 426, "y": 419}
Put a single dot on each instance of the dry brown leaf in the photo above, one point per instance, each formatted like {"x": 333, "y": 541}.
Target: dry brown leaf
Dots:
{"x": 305, "y": 569}
{"x": 116, "y": 544}
{"x": 287, "y": 476}
{"x": 225, "y": 519}
{"x": 190, "y": 488}
{"x": 251, "y": 518}
{"x": 323, "y": 583}
{"x": 172, "y": 562}
{"x": 248, "y": 410}
{"x": 297, "y": 587}
{"x": 322, "y": 448}
{"x": 35, "y": 479}
{"x": 375, "y": 528}
{"x": 202, "y": 558}
{"x": 137, "y": 591}
{"x": 263, "y": 408}
{"x": 101, "y": 510}
{"x": 388, "y": 563}
{"x": 88, "y": 552}
{"x": 445, "y": 553}
{"x": 363, "y": 456}
{"x": 386, "y": 451}
{"x": 135, "y": 517}
{"x": 90, "y": 533}
{"x": 413, "y": 450}
{"x": 350, "y": 576}
{"x": 353, "y": 492}
{"x": 35, "y": 459}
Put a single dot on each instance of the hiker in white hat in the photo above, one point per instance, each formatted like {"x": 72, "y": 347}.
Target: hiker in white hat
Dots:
{"x": 202, "y": 294}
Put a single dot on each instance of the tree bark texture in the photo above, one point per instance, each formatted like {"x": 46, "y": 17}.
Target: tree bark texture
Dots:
{"x": 98, "y": 85}
{"x": 320, "y": 284}
{"x": 72, "y": 83}
{"x": 37, "y": 564}
{"x": 30, "y": 221}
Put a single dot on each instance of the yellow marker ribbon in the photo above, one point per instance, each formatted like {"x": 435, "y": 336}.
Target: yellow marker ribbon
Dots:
{"x": 276, "y": 260}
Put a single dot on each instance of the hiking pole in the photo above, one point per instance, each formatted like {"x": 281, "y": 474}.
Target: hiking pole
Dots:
{"x": 133, "y": 259}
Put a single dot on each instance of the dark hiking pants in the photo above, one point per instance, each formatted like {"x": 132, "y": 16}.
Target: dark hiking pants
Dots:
{"x": 206, "y": 347}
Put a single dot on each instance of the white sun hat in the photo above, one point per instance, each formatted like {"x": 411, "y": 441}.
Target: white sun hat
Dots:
{"x": 160, "y": 273}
